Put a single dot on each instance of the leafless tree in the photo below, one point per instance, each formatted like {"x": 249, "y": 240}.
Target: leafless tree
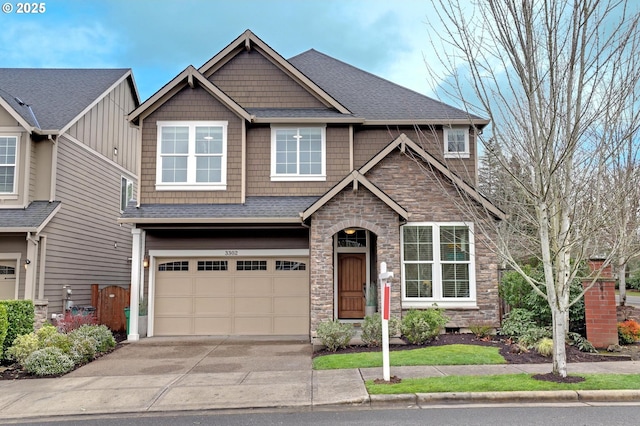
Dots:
{"x": 554, "y": 78}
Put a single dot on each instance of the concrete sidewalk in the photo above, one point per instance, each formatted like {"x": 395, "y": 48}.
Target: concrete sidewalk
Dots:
{"x": 156, "y": 375}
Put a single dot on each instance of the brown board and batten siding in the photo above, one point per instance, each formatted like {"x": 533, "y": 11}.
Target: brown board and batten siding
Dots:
{"x": 369, "y": 141}
{"x": 85, "y": 244}
{"x": 104, "y": 127}
{"x": 255, "y": 82}
{"x": 259, "y": 164}
{"x": 191, "y": 105}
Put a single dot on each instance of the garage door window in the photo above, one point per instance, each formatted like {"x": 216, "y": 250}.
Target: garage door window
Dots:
{"x": 251, "y": 265}
{"x": 174, "y": 266}
{"x": 212, "y": 265}
{"x": 287, "y": 265}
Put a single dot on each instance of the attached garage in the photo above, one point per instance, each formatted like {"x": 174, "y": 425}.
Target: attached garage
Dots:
{"x": 230, "y": 296}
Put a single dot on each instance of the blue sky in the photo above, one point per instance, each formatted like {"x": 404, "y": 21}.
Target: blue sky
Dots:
{"x": 159, "y": 38}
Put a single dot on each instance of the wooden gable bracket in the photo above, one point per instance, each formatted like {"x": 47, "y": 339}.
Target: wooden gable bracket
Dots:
{"x": 247, "y": 44}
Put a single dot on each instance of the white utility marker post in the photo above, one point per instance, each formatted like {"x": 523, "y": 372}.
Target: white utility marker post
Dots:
{"x": 385, "y": 291}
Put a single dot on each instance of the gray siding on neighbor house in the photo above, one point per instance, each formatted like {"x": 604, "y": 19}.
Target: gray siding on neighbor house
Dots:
{"x": 41, "y": 163}
{"x": 259, "y": 164}
{"x": 191, "y": 105}
{"x": 85, "y": 244}
{"x": 255, "y": 82}
{"x": 104, "y": 127}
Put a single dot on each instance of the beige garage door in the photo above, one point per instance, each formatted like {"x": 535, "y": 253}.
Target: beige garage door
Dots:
{"x": 231, "y": 296}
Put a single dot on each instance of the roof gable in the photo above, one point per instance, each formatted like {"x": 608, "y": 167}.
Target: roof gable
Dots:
{"x": 51, "y": 100}
{"x": 189, "y": 77}
{"x": 247, "y": 41}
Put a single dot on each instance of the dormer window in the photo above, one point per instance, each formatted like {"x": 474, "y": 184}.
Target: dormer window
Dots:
{"x": 192, "y": 155}
{"x": 8, "y": 158}
{"x": 298, "y": 154}
{"x": 456, "y": 142}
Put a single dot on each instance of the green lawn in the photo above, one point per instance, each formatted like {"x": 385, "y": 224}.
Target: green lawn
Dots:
{"x": 433, "y": 355}
{"x": 504, "y": 382}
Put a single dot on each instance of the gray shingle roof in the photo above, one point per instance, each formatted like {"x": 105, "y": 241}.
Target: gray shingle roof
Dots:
{"x": 30, "y": 218}
{"x": 369, "y": 96}
{"x": 254, "y": 208}
{"x": 294, "y": 113}
{"x": 56, "y": 96}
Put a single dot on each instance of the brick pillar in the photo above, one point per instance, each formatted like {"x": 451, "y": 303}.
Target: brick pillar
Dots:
{"x": 600, "y": 307}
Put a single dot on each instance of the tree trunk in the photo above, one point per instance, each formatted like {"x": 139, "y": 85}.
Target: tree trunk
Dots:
{"x": 559, "y": 342}
{"x": 622, "y": 281}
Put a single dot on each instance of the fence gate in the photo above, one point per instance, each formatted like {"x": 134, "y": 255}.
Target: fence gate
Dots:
{"x": 110, "y": 303}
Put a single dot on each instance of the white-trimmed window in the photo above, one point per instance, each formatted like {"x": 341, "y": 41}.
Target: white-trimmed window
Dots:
{"x": 192, "y": 155}
{"x": 8, "y": 164}
{"x": 456, "y": 142}
{"x": 126, "y": 192}
{"x": 438, "y": 264}
{"x": 298, "y": 154}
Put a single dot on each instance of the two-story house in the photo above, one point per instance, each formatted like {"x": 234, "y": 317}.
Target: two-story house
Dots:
{"x": 68, "y": 162}
{"x": 271, "y": 189}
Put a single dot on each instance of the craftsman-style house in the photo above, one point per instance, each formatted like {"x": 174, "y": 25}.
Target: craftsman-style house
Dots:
{"x": 271, "y": 189}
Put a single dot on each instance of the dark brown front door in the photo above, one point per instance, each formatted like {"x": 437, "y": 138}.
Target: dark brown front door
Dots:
{"x": 352, "y": 275}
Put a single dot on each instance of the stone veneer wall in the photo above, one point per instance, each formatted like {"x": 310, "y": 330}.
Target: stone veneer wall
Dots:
{"x": 41, "y": 308}
{"x": 428, "y": 197}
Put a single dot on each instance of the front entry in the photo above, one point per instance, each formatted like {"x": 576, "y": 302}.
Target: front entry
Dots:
{"x": 352, "y": 276}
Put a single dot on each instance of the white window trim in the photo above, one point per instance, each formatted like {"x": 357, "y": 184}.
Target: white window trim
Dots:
{"x": 450, "y": 302}
{"x": 458, "y": 154}
{"x": 279, "y": 177}
{"x": 191, "y": 185}
{"x": 16, "y": 169}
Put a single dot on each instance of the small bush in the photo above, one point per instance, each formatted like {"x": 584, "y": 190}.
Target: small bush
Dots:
{"x": 518, "y": 322}
{"x": 48, "y": 361}
{"x": 83, "y": 348}
{"x": 334, "y": 334}
{"x": 628, "y": 332}
{"x": 4, "y": 326}
{"x": 21, "y": 316}
{"x": 72, "y": 321}
{"x": 480, "y": 330}
{"x": 102, "y": 335}
{"x": 534, "y": 335}
{"x": 372, "y": 329}
{"x": 544, "y": 346}
{"x": 46, "y": 331}
{"x": 22, "y": 347}
{"x": 581, "y": 343}
{"x": 420, "y": 326}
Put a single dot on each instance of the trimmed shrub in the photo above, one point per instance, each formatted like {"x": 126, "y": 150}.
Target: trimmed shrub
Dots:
{"x": 21, "y": 316}
{"x": 544, "y": 346}
{"x": 420, "y": 326}
{"x": 518, "y": 322}
{"x": 628, "y": 332}
{"x": 372, "y": 329}
{"x": 334, "y": 334}
{"x": 533, "y": 335}
{"x": 46, "y": 331}
{"x": 480, "y": 330}
{"x": 83, "y": 348}
{"x": 100, "y": 333}
{"x": 48, "y": 361}
{"x": 22, "y": 347}
{"x": 4, "y": 326}
{"x": 579, "y": 341}
{"x": 72, "y": 321}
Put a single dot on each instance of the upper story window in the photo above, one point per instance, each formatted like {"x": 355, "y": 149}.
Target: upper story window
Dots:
{"x": 456, "y": 142}
{"x": 8, "y": 164}
{"x": 192, "y": 155}
{"x": 298, "y": 154}
{"x": 438, "y": 264}
{"x": 126, "y": 192}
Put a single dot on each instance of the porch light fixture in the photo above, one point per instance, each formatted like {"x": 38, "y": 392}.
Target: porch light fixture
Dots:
{"x": 26, "y": 262}
{"x": 115, "y": 151}
{"x": 145, "y": 262}
{"x": 349, "y": 231}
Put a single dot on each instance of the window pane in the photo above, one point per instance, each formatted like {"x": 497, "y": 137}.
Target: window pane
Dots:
{"x": 174, "y": 169}
{"x": 212, "y": 265}
{"x": 454, "y": 243}
{"x": 208, "y": 140}
{"x": 418, "y": 280}
{"x": 174, "y": 266}
{"x": 455, "y": 140}
{"x": 209, "y": 169}
{"x": 6, "y": 178}
{"x": 455, "y": 280}
{"x": 418, "y": 243}
{"x": 356, "y": 239}
{"x": 251, "y": 265}
{"x": 286, "y": 152}
{"x": 175, "y": 140}
{"x": 287, "y": 265}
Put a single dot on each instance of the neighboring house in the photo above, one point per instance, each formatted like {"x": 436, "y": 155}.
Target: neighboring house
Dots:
{"x": 68, "y": 162}
{"x": 271, "y": 189}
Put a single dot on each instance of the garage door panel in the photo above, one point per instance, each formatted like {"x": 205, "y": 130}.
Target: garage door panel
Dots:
{"x": 175, "y": 286}
{"x": 213, "y": 286}
{"x": 254, "y": 286}
{"x": 290, "y": 286}
{"x": 174, "y": 306}
{"x": 290, "y": 305}
{"x": 291, "y": 325}
{"x": 212, "y": 326}
{"x": 253, "y": 325}
{"x": 213, "y": 305}
{"x": 173, "y": 326}
{"x": 253, "y": 305}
